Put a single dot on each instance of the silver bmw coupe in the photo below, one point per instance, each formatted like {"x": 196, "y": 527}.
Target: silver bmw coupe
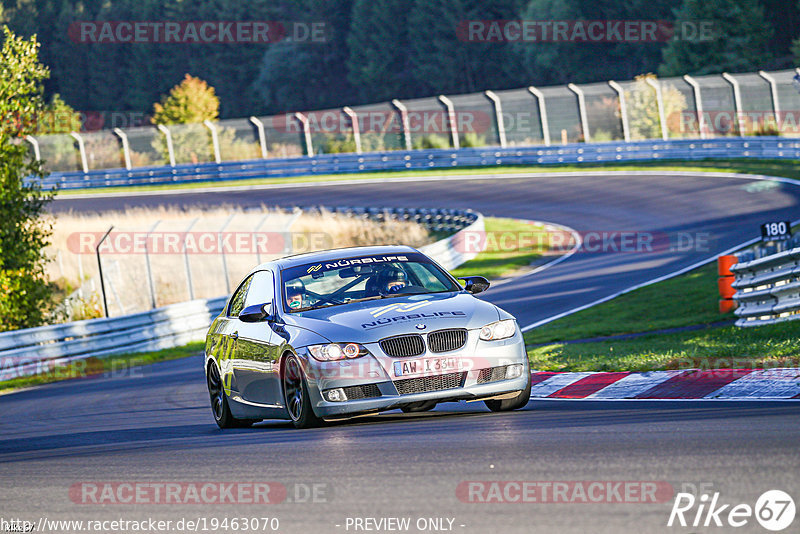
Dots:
{"x": 336, "y": 334}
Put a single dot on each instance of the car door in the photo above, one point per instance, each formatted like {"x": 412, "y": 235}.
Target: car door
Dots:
{"x": 224, "y": 334}
{"x": 256, "y": 353}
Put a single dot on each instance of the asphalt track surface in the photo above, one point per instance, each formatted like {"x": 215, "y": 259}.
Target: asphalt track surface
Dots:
{"x": 153, "y": 424}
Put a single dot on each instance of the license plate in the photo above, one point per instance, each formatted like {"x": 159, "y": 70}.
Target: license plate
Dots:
{"x": 426, "y": 366}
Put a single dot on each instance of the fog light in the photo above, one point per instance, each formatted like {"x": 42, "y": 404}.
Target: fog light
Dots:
{"x": 514, "y": 371}
{"x": 335, "y": 395}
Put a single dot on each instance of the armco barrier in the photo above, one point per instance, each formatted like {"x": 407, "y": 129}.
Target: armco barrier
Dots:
{"x": 39, "y": 350}
{"x": 689, "y": 149}
{"x": 768, "y": 289}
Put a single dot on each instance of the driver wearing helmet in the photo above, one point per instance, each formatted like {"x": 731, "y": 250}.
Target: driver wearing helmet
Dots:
{"x": 392, "y": 280}
{"x": 295, "y": 290}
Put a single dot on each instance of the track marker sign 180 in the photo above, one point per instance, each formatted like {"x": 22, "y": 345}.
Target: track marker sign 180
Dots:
{"x": 776, "y": 231}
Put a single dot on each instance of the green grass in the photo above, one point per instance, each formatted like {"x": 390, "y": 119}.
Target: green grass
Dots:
{"x": 114, "y": 365}
{"x": 785, "y": 168}
{"x": 686, "y": 300}
{"x": 717, "y": 348}
{"x": 528, "y": 242}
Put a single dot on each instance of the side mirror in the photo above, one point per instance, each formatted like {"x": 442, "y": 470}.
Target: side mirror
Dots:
{"x": 255, "y": 313}
{"x": 475, "y": 284}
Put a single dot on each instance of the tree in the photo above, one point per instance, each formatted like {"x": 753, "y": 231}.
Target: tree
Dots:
{"x": 379, "y": 49}
{"x": 642, "y": 107}
{"x": 300, "y": 75}
{"x": 191, "y": 101}
{"x": 580, "y": 62}
{"x": 59, "y": 118}
{"x": 738, "y": 40}
{"x": 442, "y": 63}
{"x": 25, "y": 296}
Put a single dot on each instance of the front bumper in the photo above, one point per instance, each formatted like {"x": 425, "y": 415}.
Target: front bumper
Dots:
{"x": 377, "y": 372}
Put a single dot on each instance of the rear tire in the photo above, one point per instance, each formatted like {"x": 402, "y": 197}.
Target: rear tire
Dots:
{"x": 219, "y": 402}
{"x": 424, "y": 406}
{"x": 295, "y": 394}
{"x": 514, "y": 403}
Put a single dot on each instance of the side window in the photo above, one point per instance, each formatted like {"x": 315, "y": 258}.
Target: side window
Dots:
{"x": 261, "y": 290}
{"x": 237, "y": 302}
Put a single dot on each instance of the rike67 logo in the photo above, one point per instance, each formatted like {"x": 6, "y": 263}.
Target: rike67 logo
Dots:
{"x": 774, "y": 510}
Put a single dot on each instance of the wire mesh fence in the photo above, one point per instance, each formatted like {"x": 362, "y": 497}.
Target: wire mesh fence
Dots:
{"x": 763, "y": 103}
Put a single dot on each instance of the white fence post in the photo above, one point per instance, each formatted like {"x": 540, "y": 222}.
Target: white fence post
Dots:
{"x": 403, "y": 110}
{"x": 186, "y": 264}
{"x": 582, "y": 111}
{"x": 698, "y": 105}
{"x": 737, "y": 102}
{"x": 151, "y": 284}
{"x": 451, "y": 120}
{"x": 306, "y": 133}
{"x": 262, "y": 137}
{"x": 170, "y": 148}
{"x": 356, "y": 127}
{"x": 655, "y": 84}
{"x": 81, "y": 150}
{"x": 222, "y": 252}
{"x": 542, "y": 114}
{"x": 126, "y": 148}
{"x": 214, "y": 139}
{"x": 773, "y": 91}
{"x": 255, "y": 236}
{"x": 35, "y": 144}
{"x": 498, "y": 117}
{"x": 623, "y": 110}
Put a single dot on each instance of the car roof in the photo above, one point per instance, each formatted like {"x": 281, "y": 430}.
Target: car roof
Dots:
{"x": 335, "y": 254}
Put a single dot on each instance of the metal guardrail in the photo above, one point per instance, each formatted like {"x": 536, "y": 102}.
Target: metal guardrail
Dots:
{"x": 767, "y": 288}
{"x": 39, "y": 350}
{"x": 711, "y": 106}
{"x": 689, "y": 149}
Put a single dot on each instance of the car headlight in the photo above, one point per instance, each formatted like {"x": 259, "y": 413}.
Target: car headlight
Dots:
{"x": 337, "y": 351}
{"x": 499, "y": 330}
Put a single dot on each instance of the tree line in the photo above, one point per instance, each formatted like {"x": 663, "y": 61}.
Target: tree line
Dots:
{"x": 374, "y": 50}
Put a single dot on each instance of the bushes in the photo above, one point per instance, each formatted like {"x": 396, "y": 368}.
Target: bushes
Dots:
{"x": 431, "y": 141}
{"x": 25, "y": 296}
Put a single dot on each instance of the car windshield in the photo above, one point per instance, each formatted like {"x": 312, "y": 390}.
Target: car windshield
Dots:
{"x": 341, "y": 281}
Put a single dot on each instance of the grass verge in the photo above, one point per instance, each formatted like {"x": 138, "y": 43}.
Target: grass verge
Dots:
{"x": 784, "y": 168}
{"x": 113, "y": 366}
{"x": 717, "y": 348}
{"x": 511, "y": 245}
{"x": 687, "y": 300}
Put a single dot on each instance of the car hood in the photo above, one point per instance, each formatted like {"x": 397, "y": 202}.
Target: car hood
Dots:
{"x": 366, "y": 322}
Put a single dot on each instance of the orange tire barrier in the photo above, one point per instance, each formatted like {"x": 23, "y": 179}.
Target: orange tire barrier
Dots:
{"x": 724, "y": 284}
{"x": 726, "y": 306}
{"x": 724, "y": 264}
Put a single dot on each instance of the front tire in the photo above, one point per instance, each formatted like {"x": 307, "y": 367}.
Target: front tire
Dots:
{"x": 295, "y": 394}
{"x": 219, "y": 402}
{"x": 514, "y": 403}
